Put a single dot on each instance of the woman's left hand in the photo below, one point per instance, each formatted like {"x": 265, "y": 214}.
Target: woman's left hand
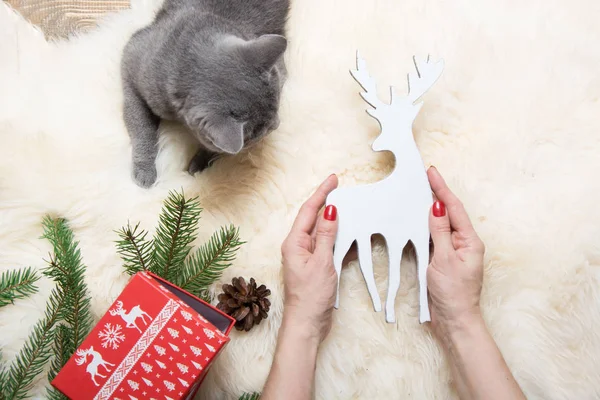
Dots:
{"x": 308, "y": 273}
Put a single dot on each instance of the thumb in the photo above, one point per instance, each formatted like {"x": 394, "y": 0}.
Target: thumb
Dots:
{"x": 439, "y": 226}
{"x": 326, "y": 231}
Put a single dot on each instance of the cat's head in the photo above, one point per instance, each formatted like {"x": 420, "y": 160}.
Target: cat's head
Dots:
{"x": 233, "y": 98}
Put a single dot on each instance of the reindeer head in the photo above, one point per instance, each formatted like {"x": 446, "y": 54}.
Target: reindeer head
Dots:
{"x": 118, "y": 309}
{"x": 82, "y": 356}
{"x": 396, "y": 118}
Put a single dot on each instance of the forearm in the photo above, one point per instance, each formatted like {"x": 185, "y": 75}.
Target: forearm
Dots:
{"x": 479, "y": 368}
{"x": 293, "y": 371}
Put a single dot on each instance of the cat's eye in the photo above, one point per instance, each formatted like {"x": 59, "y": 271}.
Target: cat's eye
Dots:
{"x": 237, "y": 115}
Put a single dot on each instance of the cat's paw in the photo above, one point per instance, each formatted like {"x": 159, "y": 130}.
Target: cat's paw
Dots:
{"x": 144, "y": 174}
{"x": 202, "y": 160}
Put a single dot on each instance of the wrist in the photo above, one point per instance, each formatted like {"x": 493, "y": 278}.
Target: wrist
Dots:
{"x": 300, "y": 326}
{"x": 464, "y": 327}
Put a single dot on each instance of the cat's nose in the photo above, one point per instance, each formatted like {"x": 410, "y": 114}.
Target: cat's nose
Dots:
{"x": 275, "y": 123}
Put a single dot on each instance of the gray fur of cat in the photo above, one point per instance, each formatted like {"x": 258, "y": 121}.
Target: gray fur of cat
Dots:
{"x": 214, "y": 65}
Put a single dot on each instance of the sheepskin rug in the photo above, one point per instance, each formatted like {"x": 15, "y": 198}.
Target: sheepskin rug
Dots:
{"x": 513, "y": 124}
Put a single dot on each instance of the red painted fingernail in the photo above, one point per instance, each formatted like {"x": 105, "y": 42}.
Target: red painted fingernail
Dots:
{"x": 330, "y": 213}
{"x": 439, "y": 209}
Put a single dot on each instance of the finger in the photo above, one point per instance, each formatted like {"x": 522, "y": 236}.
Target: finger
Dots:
{"x": 459, "y": 220}
{"x": 439, "y": 227}
{"x": 307, "y": 216}
{"x": 326, "y": 232}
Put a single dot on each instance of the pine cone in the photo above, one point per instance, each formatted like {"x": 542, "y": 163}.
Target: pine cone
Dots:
{"x": 245, "y": 302}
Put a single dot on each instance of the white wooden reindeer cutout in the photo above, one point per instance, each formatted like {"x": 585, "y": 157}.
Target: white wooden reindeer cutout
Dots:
{"x": 396, "y": 207}
{"x": 96, "y": 362}
{"x": 131, "y": 316}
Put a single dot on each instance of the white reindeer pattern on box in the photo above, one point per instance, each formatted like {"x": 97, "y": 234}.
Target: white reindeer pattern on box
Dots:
{"x": 131, "y": 316}
{"x": 96, "y": 362}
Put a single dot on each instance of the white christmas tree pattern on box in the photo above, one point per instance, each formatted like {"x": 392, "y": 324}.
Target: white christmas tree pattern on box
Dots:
{"x": 209, "y": 334}
{"x": 160, "y": 350}
{"x": 186, "y": 315}
{"x": 147, "y": 367}
{"x": 148, "y": 382}
{"x": 133, "y": 385}
{"x": 183, "y": 368}
{"x": 196, "y": 351}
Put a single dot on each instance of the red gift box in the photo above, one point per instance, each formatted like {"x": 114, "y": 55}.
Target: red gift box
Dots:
{"x": 155, "y": 342}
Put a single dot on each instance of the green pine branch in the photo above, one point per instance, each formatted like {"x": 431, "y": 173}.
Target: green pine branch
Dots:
{"x": 3, "y": 378}
{"x": 207, "y": 264}
{"x": 32, "y": 357}
{"x": 135, "y": 250}
{"x": 69, "y": 302}
{"x": 250, "y": 396}
{"x": 62, "y": 349}
{"x": 67, "y": 269}
{"x": 176, "y": 230}
{"x": 17, "y": 284}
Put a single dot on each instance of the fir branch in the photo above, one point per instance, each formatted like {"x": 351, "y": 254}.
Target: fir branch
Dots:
{"x": 54, "y": 394}
{"x": 135, "y": 250}
{"x": 63, "y": 348}
{"x": 67, "y": 269}
{"x": 17, "y": 284}
{"x": 207, "y": 264}
{"x": 3, "y": 378}
{"x": 250, "y": 396}
{"x": 176, "y": 231}
{"x": 32, "y": 357}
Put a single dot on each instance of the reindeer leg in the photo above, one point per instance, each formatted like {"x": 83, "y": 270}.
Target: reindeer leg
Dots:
{"x": 339, "y": 252}
{"x": 94, "y": 380}
{"x": 422, "y": 250}
{"x": 365, "y": 258}
{"x": 395, "y": 258}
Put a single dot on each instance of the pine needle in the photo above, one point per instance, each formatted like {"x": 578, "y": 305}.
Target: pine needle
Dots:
{"x": 207, "y": 264}
{"x": 63, "y": 349}
{"x": 135, "y": 250}
{"x": 17, "y": 284}
{"x": 176, "y": 230}
{"x": 32, "y": 357}
{"x": 67, "y": 269}
{"x": 250, "y": 396}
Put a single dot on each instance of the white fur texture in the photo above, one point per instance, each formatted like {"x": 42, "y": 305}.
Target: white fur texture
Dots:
{"x": 513, "y": 124}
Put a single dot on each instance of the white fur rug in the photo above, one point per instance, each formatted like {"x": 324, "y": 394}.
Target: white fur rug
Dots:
{"x": 514, "y": 125}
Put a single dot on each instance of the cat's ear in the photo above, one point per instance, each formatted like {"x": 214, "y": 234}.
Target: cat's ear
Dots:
{"x": 227, "y": 134}
{"x": 263, "y": 51}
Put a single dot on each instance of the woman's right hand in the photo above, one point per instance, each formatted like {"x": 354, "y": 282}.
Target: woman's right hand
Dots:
{"x": 455, "y": 273}
{"x": 454, "y": 278}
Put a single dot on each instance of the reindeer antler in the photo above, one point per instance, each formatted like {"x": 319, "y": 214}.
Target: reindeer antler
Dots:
{"x": 423, "y": 78}
{"x": 117, "y": 309}
{"x": 425, "y": 75}
{"x": 82, "y": 356}
{"x": 367, "y": 82}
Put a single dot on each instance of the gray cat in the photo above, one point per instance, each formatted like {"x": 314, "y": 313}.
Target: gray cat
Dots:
{"x": 214, "y": 65}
